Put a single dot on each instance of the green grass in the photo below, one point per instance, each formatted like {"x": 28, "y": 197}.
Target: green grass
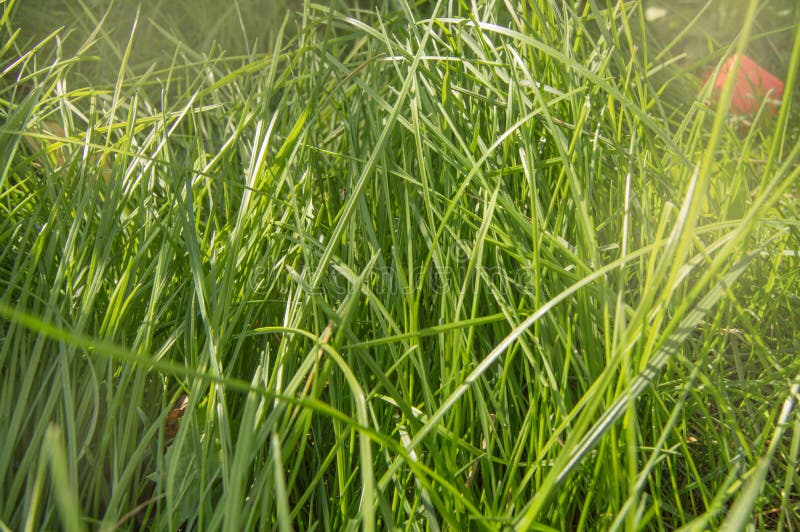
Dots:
{"x": 420, "y": 267}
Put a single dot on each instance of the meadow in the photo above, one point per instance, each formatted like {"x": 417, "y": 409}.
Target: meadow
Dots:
{"x": 425, "y": 266}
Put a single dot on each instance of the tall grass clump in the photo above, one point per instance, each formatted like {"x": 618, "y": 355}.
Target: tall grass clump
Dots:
{"x": 429, "y": 266}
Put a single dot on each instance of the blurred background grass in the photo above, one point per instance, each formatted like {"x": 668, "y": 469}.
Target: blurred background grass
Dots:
{"x": 691, "y": 35}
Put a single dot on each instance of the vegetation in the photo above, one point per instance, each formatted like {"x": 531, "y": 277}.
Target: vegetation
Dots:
{"x": 427, "y": 266}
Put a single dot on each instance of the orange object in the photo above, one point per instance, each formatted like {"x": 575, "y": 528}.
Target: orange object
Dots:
{"x": 753, "y": 84}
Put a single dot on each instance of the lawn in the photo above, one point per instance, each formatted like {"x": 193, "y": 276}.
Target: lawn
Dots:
{"x": 444, "y": 265}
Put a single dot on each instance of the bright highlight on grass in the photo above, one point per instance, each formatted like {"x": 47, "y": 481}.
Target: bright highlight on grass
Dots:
{"x": 424, "y": 266}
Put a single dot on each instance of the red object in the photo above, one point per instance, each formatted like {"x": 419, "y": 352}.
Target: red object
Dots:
{"x": 753, "y": 84}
